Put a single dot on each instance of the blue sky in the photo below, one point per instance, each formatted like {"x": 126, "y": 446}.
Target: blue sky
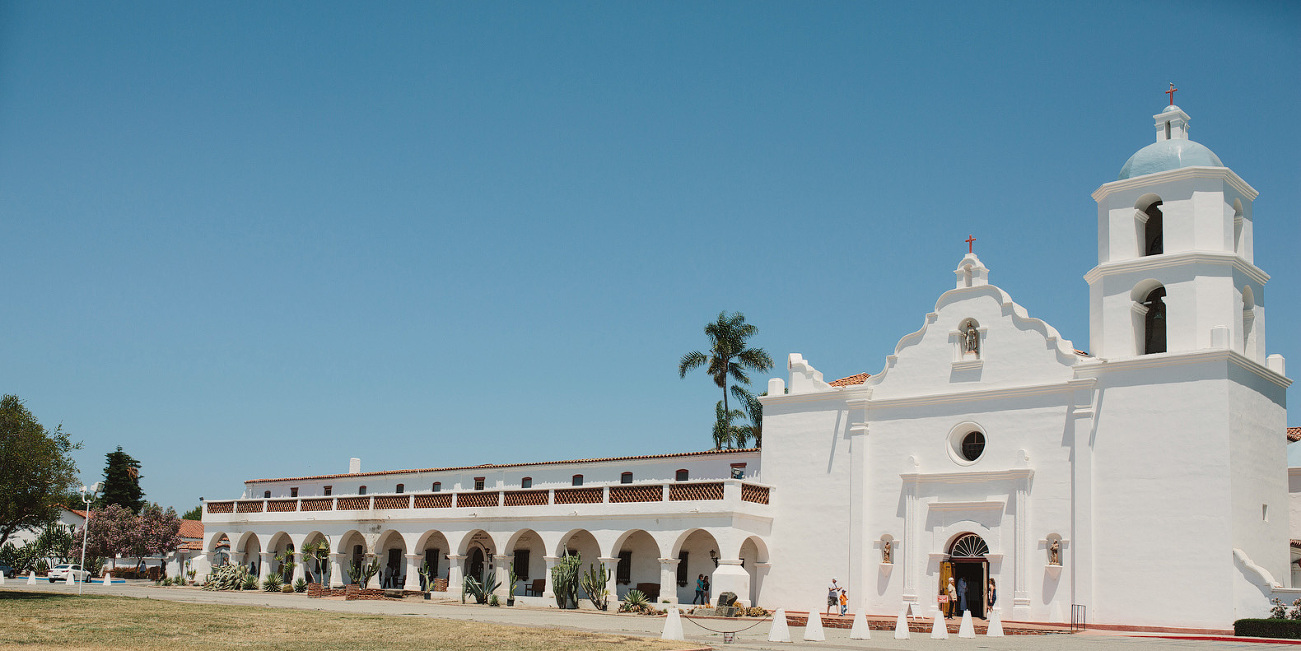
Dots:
{"x": 252, "y": 239}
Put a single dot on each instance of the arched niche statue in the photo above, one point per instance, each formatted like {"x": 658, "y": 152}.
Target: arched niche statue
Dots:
{"x": 1055, "y": 552}
{"x": 887, "y": 553}
{"x": 971, "y": 340}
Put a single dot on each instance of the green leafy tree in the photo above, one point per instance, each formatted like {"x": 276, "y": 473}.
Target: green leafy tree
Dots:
{"x": 195, "y": 513}
{"x": 122, "y": 482}
{"x": 729, "y": 358}
{"x": 36, "y": 470}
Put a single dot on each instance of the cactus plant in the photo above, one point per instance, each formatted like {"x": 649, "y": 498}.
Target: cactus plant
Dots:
{"x": 564, "y": 579}
{"x": 594, "y": 582}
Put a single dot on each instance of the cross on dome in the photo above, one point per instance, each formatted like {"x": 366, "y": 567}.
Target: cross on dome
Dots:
{"x": 1171, "y": 93}
{"x": 969, "y": 240}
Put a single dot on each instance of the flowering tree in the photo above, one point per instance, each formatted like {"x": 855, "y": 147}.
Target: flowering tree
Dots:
{"x": 158, "y": 532}
{"x": 111, "y": 531}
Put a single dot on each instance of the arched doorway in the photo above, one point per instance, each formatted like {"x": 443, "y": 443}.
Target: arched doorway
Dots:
{"x": 474, "y": 563}
{"x": 967, "y": 565}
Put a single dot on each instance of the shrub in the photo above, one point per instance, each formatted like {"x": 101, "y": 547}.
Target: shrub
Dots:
{"x": 1289, "y": 629}
{"x": 1278, "y": 611}
{"x": 756, "y": 611}
{"x": 250, "y": 582}
{"x": 227, "y": 577}
{"x": 287, "y": 589}
{"x": 494, "y": 601}
{"x": 272, "y": 583}
{"x": 300, "y": 585}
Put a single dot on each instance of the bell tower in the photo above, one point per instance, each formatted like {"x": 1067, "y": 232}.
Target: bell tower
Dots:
{"x": 1175, "y": 271}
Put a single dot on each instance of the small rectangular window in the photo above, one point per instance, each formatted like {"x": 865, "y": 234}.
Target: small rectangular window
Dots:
{"x": 401, "y": 487}
{"x": 293, "y": 492}
{"x": 329, "y": 490}
{"x": 526, "y": 482}
{"x": 266, "y": 494}
{"x": 478, "y": 483}
{"x": 682, "y": 474}
{"x": 361, "y": 491}
{"x": 623, "y": 573}
{"x": 625, "y": 478}
{"x": 438, "y": 486}
{"x": 738, "y": 471}
{"x": 578, "y": 480}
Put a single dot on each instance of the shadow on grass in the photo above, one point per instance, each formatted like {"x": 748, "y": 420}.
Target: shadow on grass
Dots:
{"x": 33, "y": 596}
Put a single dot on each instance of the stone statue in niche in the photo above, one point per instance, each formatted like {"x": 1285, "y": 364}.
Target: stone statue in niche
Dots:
{"x": 971, "y": 340}
{"x": 886, "y": 552}
{"x": 1055, "y": 552}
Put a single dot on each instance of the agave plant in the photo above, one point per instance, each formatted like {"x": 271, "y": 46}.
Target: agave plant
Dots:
{"x": 227, "y": 577}
{"x": 273, "y": 583}
{"x": 594, "y": 582}
{"x": 483, "y": 587}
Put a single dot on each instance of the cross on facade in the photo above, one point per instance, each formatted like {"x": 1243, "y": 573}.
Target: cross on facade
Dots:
{"x": 1171, "y": 93}
{"x": 969, "y": 240}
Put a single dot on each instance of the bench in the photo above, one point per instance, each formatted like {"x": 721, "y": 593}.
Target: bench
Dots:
{"x": 535, "y": 588}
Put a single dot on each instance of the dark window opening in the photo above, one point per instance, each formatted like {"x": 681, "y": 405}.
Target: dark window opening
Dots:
{"x": 521, "y": 567}
{"x": 625, "y": 478}
{"x": 526, "y": 482}
{"x": 1154, "y": 324}
{"x": 329, "y": 490}
{"x": 438, "y": 486}
{"x": 293, "y": 492}
{"x": 361, "y": 491}
{"x": 682, "y": 475}
{"x": 266, "y": 494}
{"x": 578, "y": 480}
{"x": 973, "y": 445}
{"x": 682, "y": 569}
{"x": 478, "y": 483}
{"x": 623, "y": 573}
{"x": 1153, "y": 239}
{"x": 738, "y": 471}
{"x": 401, "y": 487}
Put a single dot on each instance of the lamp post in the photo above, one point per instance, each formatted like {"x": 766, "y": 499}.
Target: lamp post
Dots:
{"x": 85, "y": 534}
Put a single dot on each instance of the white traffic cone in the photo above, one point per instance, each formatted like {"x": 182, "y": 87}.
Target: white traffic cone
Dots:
{"x": 68, "y": 579}
{"x": 966, "y": 629}
{"x": 31, "y": 577}
{"x": 901, "y": 625}
{"x": 860, "y": 631}
{"x": 939, "y": 630}
{"x": 672, "y": 626}
{"x": 813, "y": 628}
{"x": 779, "y": 632}
{"x": 107, "y": 579}
{"x": 2, "y": 578}
{"x": 995, "y": 628}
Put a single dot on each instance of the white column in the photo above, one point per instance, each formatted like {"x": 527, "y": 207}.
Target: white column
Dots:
{"x": 760, "y": 573}
{"x": 550, "y": 590}
{"x": 336, "y": 570}
{"x": 413, "y": 573}
{"x": 201, "y": 563}
{"x": 611, "y": 565}
{"x": 910, "y": 550}
{"x": 300, "y": 572}
{"x": 264, "y": 566}
{"x": 1021, "y": 596}
{"x": 669, "y": 579}
{"x": 501, "y": 569}
{"x": 455, "y": 579}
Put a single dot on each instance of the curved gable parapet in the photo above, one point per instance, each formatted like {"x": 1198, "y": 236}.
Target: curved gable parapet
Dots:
{"x": 1063, "y": 349}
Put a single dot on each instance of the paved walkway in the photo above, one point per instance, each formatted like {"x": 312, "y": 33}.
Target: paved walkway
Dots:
{"x": 753, "y": 639}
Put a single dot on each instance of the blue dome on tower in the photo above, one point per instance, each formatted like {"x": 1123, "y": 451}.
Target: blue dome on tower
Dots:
{"x": 1172, "y": 149}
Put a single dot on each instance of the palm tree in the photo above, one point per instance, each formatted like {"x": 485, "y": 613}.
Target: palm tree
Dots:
{"x": 728, "y": 357}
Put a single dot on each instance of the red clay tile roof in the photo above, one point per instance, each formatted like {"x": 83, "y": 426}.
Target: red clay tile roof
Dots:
{"x": 851, "y": 380}
{"x": 1294, "y": 434}
{"x": 505, "y": 465}
{"x": 191, "y": 529}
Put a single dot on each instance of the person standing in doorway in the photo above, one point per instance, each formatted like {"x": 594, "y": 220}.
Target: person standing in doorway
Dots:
{"x": 952, "y": 592}
{"x": 962, "y": 596}
{"x": 833, "y": 595}
{"x": 706, "y": 601}
{"x": 700, "y": 590}
{"x": 992, "y": 597}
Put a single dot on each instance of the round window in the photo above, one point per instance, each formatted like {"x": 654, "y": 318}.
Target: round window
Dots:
{"x": 973, "y": 445}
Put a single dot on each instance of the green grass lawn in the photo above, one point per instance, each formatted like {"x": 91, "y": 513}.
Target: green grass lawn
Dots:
{"x": 38, "y": 620}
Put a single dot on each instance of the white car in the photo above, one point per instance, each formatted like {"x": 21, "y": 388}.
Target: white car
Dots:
{"x": 60, "y": 573}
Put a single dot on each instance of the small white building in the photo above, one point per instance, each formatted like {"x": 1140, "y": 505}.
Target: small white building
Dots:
{"x": 1144, "y": 481}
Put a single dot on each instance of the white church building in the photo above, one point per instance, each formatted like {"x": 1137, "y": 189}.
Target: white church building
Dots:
{"x": 1145, "y": 480}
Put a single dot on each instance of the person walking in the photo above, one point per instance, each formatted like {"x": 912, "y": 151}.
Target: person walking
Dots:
{"x": 952, "y": 592}
{"x": 700, "y": 590}
{"x": 833, "y": 595}
{"x": 844, "y": 601}
{"x": 706, "y": 601}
